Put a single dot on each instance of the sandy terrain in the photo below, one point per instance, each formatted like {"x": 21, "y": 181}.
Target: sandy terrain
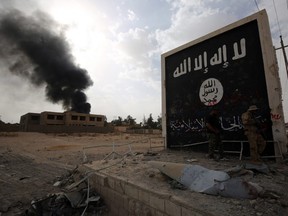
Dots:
{"x": 31, "y": 162}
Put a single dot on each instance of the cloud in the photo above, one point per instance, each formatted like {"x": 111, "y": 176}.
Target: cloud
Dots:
{"x": 193, "y": 19}
{"x": 133, "y": 50}
{"x": 132, "y": 16}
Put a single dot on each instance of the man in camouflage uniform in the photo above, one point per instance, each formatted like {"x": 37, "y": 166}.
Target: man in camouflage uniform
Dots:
{"x": 214, "y": 134}
{"x": 253, "y": 133}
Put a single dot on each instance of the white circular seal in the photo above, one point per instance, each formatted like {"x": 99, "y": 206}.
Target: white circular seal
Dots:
{"x": 211, "y": 92}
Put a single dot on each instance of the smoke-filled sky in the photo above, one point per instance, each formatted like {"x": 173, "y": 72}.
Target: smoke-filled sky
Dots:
{"x": 113, "y": 48}
{"x": 32, "y": 50}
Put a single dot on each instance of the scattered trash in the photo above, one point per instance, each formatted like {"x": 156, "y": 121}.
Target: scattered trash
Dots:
{"x": 76, "y": 199}
{"x": 192, "y": 160}
{"x": 238, "y": 171}
{"x": 261, "y": 168}
{"x": 67, "y": 179}
{"x": 23, "y": 178}
{"x": 203, "y": 180}
{"x": 57, "y": 184}
{"x": 67, "y": 204}
{"x": 176, "y": 185}
{"x": 149, "y": 153}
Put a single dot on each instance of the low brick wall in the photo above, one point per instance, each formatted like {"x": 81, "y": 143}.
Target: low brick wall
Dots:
{"x": 124, "y": 198}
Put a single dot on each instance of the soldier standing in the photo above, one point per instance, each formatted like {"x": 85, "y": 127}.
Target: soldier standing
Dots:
{"x": 214, "y": 130}
{"x": 253, "y": 133}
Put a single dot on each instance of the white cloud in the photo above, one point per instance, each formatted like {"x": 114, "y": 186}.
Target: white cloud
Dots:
{"x": 193, "y": 19}
{"x": 133, "y": 50}
{"x": 131, "y": 15}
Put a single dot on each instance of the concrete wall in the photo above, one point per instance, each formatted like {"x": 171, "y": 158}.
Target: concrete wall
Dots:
{"x": 73, "y": 118}
{"x": 9, "y": 127}
{"x": 29, "y": 119}
{"x": 67, "y": 129}
{"x": 126, "y": 129}
{"x": 51, "y": 118}
{"x": 125, "y": 198}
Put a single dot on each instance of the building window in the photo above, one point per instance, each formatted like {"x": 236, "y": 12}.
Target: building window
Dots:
{"x": 73, "y": 117}
{"x": 59, "y": 117}
{"x": 82, "y": 118}
{"x": 92, "y": 118}
{"x": 35, "y": 118}
{"x": 99, "y": 119}
{"x": 50, "y": 117}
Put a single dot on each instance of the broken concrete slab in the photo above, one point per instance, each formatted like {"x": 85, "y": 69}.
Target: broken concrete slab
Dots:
{"x": 194, "y": 177}
{"x": 236, "y": 188}
{"x": 203, "y": 180}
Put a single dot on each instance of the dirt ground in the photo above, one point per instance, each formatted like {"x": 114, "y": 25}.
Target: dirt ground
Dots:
{"x": 30, "y": 164}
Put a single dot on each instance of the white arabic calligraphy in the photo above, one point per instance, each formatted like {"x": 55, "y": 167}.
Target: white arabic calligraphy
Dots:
{"x": 211, "y": 92}
{"x": 236, "y": 124}
{"x": 219, "y": 57}
{"x": 199, "y": 124}
{"x": 242, "y": 47}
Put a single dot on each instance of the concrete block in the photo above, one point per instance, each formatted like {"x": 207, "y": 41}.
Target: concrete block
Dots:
{"x": 144, "y": 196}
{"x": 107, "y": 195}
{"x": 132, "y": 191}
{"x": 157, "y": 202}
{"x": 126, "y": 202}
{"x": 100, "y": 179}
{"x": 148, "y": 211}
{"x": 132, "y": 206}
{"x": 158, "y": 213}
{"x": 111, "y": 183}
{"x": 138, "y": 208}
{"x": 118, "y": 200}
{"x": 172, "y": 208}
{"x": 119, "y": 186}
{"x": 191, "y": 212}
{"x": 123, "y": 212}
{"x": 114, "y": 212}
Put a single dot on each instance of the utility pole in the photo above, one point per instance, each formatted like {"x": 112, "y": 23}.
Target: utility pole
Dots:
{"x": 284, "y": 53}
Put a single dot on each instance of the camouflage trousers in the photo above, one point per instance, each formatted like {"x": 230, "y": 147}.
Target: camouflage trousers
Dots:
{"x": 257, "y": 144}
{"x": 215, "y": 143}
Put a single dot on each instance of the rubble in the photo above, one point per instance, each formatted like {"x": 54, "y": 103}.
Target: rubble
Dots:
{"x": 67, "y": 204}
{"x": 200, "y": 179}
{"x": 76, "y": 198}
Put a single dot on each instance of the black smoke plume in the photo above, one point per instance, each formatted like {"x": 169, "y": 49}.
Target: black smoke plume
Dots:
{"x": 32, "y": 48}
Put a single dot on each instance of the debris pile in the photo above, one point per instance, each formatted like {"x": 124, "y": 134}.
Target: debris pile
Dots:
{"x": 76, "y": 198}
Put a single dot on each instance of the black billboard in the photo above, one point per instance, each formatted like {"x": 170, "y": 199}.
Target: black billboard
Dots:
{"x": 224, "y": 71}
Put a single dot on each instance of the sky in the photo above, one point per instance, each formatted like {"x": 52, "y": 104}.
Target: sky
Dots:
{"x": 119, "y": 43}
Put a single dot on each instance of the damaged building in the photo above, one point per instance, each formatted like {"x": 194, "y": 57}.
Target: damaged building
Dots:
{"x": 68, "y": 121}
